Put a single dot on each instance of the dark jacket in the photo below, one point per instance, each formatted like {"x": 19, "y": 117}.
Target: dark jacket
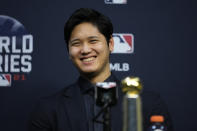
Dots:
{"x": 65, "y": 111}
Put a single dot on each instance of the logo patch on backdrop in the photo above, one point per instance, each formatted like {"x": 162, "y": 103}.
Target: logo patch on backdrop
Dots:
{"x": 119, "y": 67}
{"x": 16, "y": 47}
{"x": 115, "y": 1}
{"x": 123, "y": 43}
{"x": 5, "y": 80}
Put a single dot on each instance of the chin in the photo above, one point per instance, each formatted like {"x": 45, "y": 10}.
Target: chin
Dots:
{"x": 88, "y": 70}
{"x": 89, "y": 73}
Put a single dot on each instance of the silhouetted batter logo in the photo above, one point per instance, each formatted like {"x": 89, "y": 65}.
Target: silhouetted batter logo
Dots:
{"x": 5, "y": 80}
{"x": 123, "y": 43}
{"x": 16, "y": 47}
{"x": 115, "y": 1}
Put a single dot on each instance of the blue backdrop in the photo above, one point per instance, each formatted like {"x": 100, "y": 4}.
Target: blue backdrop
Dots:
{"x": 164, "y": 55}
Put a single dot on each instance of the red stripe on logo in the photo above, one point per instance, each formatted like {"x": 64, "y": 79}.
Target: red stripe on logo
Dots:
{"x": 128, "y": 38}
{"x": 8, "y": 77}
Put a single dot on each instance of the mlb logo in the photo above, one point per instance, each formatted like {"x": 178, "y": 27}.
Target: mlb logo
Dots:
{"x": 5, "y": 80}
{"x": 115, "y": 1}
{"x": 123, "y": 43}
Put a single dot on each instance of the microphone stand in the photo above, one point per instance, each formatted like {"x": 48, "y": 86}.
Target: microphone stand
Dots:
{"x": 107, "y": 119}
{"x": 106, "y": 110}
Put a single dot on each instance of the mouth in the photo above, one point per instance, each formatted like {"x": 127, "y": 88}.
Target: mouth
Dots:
{"x": 88, "y": 59}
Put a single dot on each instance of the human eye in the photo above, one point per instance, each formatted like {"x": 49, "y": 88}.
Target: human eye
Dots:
{"x": 93, "y": 41}
{"x": 77, "y": 43}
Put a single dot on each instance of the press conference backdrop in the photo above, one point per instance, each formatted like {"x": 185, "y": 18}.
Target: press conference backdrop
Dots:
{"x": 155, "y": 40}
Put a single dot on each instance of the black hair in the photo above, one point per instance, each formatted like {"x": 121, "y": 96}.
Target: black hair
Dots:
{"x": 102, "y": 22}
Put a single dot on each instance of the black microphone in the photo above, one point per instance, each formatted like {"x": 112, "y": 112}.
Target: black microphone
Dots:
{"x": 106, "y": 93}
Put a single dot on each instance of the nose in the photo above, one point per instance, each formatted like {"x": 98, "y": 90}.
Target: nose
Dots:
{"x": 85, "y": 48}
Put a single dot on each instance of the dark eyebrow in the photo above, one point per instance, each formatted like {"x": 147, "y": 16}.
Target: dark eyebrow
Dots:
{"x": 91, "y": 37}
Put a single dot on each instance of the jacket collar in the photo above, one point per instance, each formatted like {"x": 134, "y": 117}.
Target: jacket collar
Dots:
{"x": 85, "y": 85}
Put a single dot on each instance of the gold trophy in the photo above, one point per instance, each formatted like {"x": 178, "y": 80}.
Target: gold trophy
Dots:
{"x": 132, "y": 111}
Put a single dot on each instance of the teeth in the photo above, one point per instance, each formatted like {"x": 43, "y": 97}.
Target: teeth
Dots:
{"x": 88, "y": 59}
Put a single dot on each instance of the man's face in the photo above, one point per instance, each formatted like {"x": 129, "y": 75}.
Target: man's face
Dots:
{"x": 88, "y": 49}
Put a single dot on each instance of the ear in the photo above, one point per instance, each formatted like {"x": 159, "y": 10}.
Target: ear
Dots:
{"x": 111, "y": 44}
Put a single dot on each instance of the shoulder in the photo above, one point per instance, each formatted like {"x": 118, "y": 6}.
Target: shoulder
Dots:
{"x": 50, "y": 103}
{"x": 46, "y": 106}
{"x": 47, "y": 109}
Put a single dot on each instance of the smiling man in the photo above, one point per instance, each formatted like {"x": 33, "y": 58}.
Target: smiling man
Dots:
{"x": 88, "y": 35}
{"x": 89, "y": 51}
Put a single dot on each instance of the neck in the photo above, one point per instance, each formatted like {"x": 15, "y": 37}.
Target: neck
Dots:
{"x": 94, "y": 78}
{"x": 100, "y": 78}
